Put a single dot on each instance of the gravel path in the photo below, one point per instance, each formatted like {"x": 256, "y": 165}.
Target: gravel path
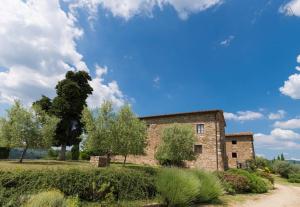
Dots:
{"x": 283, "y": 196}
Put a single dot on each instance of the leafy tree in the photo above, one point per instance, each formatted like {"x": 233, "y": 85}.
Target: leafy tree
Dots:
{"x": 177, "y": 145}
{"x": 72, "y": 93}
{"x": 27, "y": 128}
{"x": 131, "y": 134}
{"x": 44, "y": 104}
{"x": 100, "y": 129}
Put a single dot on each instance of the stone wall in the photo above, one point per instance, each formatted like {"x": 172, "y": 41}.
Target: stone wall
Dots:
{"x": 99, "y": 161}
{"x": 212, "y": 140}
{"x": 243, "y": 147}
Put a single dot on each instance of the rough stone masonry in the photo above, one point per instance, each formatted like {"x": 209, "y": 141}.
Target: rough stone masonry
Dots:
{"x": 214, "y": 150}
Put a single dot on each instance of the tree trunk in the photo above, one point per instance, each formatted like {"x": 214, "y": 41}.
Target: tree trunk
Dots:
{"x": 107, "y": 159}
{"x": 125, "y": 157}
{"x": 23, "y": 154}
{"x": 62, "y": 154}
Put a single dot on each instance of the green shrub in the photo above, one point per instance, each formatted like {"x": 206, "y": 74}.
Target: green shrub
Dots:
{"x": 73, "y": 201}
{"x": 68, "y": 155}
{"x": 52, "y": 154}
{"x": 234, "y": 183}
{"x": 75, "y": 152}
{"x": 268, "y": 184}
{"x": 258, "y": 163}
{"x": 4, "y": 152}
{"x": 257, "y": 184}
{"x": 284, "y": 168}
{"x": 210, "y": 188}
{"x": 122, "y": 184}
{"x": 265, "y": 175}
{"x": 294, "y": 178}
{"x": 51, "y": 198}
{"x": 130, "y": 184}
{"x": 84, "y": 155}
{"x": 177, "y": 187}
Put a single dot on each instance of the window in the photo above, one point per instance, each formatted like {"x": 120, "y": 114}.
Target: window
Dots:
{"x": 233, "y": 141}
{"x": 198, "y": 149}
{"x": 200, "y": 128}
{"x": 234, "y": 155}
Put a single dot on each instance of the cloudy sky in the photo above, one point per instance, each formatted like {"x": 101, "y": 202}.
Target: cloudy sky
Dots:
{"x": 164, "y": 56}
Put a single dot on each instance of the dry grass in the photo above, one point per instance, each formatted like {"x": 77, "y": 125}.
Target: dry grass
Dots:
{"x": 284, "y": 181}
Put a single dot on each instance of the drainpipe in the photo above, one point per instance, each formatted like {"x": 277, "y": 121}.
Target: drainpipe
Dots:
{"x": 216, "y": 126}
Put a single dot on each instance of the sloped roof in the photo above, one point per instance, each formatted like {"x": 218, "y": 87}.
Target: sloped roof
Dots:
{"x": 214, "y": 111}
{"x": 239, "y": 134}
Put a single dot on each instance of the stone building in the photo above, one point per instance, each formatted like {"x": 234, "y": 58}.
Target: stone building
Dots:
{"x": 239, "y": 148}
{"x": 210, "y": 146}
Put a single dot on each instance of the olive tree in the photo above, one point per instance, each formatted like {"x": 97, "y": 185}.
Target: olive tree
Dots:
{"x": 27, "y": 128}
{"x": 131, "y": 134}
{"x": 114, "y": 132}
{"x": 99, "y": 127}
{"x": 177, "y": 145}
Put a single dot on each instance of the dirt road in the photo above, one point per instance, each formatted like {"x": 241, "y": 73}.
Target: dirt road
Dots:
{"x": 283, "y": 196}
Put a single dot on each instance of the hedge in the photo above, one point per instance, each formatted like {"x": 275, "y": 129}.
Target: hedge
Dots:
{"x": 294, "y": 178}
{"x": 89, "y": 185}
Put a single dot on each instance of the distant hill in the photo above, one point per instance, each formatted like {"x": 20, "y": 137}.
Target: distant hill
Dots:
{"x": 294, "y": 161}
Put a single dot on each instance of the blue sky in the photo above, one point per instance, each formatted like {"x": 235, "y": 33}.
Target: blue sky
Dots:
{"x": 165, "y": 56}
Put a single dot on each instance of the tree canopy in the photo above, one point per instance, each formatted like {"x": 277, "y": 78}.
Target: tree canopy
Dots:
{"x": 68, "y": 105}
{"x": 114, "y": 132}
{"x": 100, "y": 129}
{"x": 130, "y": 134}
{"x": 27, "y": 128}
{"x": 177, "y": 145}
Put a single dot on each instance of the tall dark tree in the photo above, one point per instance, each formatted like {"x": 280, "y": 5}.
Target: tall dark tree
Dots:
{"x": 282, "y": 157}
{"x": 44, "y": 103}
{"x": 72, "y": 93}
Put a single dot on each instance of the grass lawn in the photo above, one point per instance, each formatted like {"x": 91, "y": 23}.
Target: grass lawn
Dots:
{"x": 284, "y": 181}
{"x": 42, "y": 164}
{"x": 51, "y": 164}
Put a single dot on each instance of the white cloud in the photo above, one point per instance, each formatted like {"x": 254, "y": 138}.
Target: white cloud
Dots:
{"x": 227, "y": 41}
{"x": 278, "y": 115}
{"x": 284, "y": 134}
{"x": 260, "y": 155}
{"x": 156, "y": 82}
{"x": 243, "y": 115}
{"x": 291, "y": 87}
{"x": 38, "y": 41}
{"x": 103, "y": 91}
{"x": 292, "y": 8}
{"x": 128, "y": 8}
{"x": 289, "y": 124}
{"x": 278, "y": 139}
